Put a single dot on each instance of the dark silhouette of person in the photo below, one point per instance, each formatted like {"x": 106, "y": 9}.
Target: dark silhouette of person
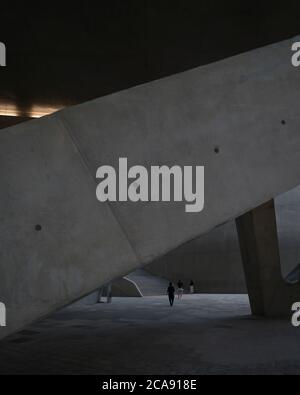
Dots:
{"x": 171, "y": 294}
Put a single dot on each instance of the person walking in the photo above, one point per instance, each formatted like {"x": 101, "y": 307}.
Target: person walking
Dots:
{"x": 171, "y": 294}
{"x": 180, "y": 289}
{"x": 109, "y": 293}
{"x": 192, "y": 287}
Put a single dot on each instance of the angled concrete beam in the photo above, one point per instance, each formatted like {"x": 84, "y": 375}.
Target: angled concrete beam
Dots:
{"x": 239, "y": 118}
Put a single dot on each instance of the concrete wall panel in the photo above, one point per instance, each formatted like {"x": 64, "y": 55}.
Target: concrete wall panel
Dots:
{"x": 212, "y": 261}
{"x": 236, "y": 105}
{"x": 79, "y": 246}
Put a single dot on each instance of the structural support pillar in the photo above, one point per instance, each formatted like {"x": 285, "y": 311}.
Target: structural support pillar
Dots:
{"x": 269, "y": 294}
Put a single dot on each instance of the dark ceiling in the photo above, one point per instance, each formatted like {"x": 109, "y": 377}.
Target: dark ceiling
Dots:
{"x": 66, "y": 53}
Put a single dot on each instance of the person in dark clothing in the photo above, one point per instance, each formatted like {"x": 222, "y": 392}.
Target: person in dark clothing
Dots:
{"x": 171, "y": 294}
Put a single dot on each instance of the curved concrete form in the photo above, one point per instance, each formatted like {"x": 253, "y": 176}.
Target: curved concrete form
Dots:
{"x": 122, "y": 287}
{"x": 238, "y": 117}
{"x": 125, "y": 287}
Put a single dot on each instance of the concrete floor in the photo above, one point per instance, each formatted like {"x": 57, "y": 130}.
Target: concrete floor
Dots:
{"x": 202, "y": 334}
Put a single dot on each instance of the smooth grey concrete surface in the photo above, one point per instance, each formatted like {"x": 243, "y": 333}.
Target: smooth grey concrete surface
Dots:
{"x": 48, "y": 169}
{"x": 213, "y": 261}
{"x": 45, "y": 183}
{"x": 236, "y": 105}
{"x": 269, "y": 293}
{"x": 202, "y": 334}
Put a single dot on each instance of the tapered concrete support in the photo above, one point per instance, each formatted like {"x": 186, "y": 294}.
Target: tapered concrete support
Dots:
{"x": 269, "y": 294}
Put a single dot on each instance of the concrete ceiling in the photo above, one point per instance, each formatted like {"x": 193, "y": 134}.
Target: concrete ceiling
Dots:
{"x": 57, "y": 56}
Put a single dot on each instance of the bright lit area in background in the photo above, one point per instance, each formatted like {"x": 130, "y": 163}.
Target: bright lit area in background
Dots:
{"x": 36, "y": 111}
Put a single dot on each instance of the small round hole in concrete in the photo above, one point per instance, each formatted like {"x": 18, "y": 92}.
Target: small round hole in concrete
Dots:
{"x": 38, "y": 228}
{"x": 217, "y": 150}
{"x": 283, "y": 122}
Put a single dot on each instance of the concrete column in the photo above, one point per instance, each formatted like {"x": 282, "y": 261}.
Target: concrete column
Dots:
{"x": 269, "y": 294}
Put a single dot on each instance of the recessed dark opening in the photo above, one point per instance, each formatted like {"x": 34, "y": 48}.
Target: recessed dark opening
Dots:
{"x": 217, "y": 150}
{"x": 38, "y": 228}
{"x": 283, "y": 122}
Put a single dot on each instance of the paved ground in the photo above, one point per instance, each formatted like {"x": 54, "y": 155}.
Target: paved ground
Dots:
{"x": 201, "y": 335}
